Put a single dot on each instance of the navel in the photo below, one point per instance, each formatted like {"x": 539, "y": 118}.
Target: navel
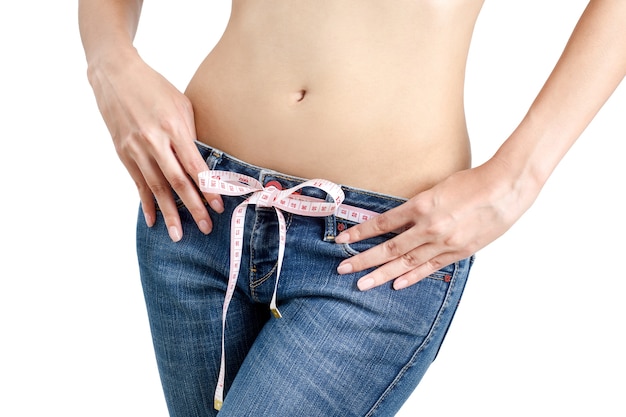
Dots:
{"x": 298, "y": 96}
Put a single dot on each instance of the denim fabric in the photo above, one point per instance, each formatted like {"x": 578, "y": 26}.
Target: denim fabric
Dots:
{"x": 337, "y": 351}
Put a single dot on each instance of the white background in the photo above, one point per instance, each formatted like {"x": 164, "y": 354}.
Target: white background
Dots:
{"x": 540, "y": 331}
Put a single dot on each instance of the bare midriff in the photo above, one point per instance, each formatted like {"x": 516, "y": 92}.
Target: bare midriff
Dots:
{"x": 364, "y": 93}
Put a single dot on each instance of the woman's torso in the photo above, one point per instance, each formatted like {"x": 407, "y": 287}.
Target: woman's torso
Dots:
{"x": 367, "y": 94}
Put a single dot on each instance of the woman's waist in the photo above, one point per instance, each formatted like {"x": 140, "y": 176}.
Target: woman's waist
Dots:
{"x": 397, "y": 164}
{"x": 228, "y": 170}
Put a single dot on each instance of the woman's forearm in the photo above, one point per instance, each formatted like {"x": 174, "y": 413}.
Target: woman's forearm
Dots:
{"x": 108, "y": 28}
{"x": 590, "y": 68}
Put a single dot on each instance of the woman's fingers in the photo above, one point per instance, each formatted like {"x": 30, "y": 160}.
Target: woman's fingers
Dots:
{"x": 153, "y": 129}
{"x": 397, "y": 247}
{"x": 390, "y": 221}
{"x": 158, "y": 174}
{"x": 451, "y": 221}
{"x": 167, "y": 174}
{"x": 412, "y": 263}
{"x": 193, "y": 164}
{"x": 415, "y": 275}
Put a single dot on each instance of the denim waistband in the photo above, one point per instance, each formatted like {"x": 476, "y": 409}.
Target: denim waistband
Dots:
{"x": 369, "y": 200}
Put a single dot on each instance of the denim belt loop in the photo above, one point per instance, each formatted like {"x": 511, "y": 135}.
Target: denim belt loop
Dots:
{"x": 214, "y": 158}
{"x": 330, "y": 226}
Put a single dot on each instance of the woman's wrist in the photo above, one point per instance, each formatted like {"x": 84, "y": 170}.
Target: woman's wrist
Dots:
{"x": 111, "y": 60}
{"x": 524, "y": 168}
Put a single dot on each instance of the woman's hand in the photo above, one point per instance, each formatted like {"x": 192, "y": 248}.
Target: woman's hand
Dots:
{"x": 442, "y": 225}
{"x": 153, "y": 130}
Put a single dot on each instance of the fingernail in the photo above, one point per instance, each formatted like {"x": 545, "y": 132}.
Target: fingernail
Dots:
{"x": 400, "y": 283}
{"x": 365, "y": 283}
{"x": 345, "y": 268}
{"x": 205, "y": 227}
{"x": 149, "y": 220}
{"x": 342, "y": 238}
{"x": 175, "y": 233}
{"x": 217, "y": 206}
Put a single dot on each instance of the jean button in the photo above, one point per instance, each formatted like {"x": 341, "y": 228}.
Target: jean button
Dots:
{"x": 275, "y": 184}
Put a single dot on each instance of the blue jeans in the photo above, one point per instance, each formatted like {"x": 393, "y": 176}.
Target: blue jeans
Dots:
{"x": 336, "y": 351}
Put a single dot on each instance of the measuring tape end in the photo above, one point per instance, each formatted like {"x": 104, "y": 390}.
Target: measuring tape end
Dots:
{"x": 217, "y": 404}
{"x": 276, "y": 313}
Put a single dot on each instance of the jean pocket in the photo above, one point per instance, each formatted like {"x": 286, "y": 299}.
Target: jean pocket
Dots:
{"x": 445, "y": 274}
{"x": 355, "y": 248}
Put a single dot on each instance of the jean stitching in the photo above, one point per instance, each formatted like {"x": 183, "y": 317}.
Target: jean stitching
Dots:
{"x": 256, "y": 283}
{"x": 252, "y": 267}
{"x": 444, "y": 306}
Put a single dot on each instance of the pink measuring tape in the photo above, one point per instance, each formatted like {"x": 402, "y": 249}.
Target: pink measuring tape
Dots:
{"x": 233, "y": 184}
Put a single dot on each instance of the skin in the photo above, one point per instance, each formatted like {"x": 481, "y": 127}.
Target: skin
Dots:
{"x": 369, "y": 96}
